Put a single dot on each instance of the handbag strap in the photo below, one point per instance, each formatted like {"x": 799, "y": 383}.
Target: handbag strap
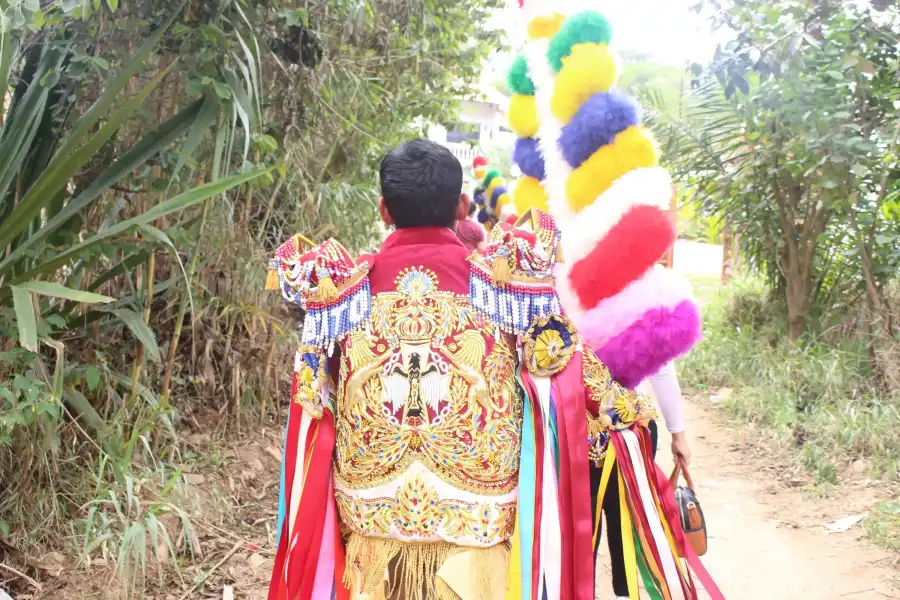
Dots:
{"x": 682, "y": 470}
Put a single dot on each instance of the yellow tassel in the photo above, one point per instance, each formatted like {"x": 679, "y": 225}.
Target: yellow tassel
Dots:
{"x": 327, "y": 290}
{"x": 501, "y": 271}
{"x": 272, "y": 283}
{"x": 559, "y": 254}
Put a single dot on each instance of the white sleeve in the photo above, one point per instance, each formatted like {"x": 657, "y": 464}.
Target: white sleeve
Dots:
{"x": 668, "y": 397}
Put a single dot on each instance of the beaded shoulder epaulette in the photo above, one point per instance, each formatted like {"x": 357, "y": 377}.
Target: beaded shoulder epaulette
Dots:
{"x": 327, "y": 283}
{"x": 511, "y": 282}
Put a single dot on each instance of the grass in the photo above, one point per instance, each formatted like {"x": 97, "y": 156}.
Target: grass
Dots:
{"x": 818, "y": 396}
{"x": 706, "y": 287}
{"x": 883, "y": 525}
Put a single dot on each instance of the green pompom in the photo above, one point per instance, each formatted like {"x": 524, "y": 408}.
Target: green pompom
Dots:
{"x": 517, "y": 78}
{"x": 489, "y": 177}
{"x": 587, "y": 27}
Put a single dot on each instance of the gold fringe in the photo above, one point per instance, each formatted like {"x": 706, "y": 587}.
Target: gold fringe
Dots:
{"x": 272, "y": 283}
{"x": 559, "y": 254}
{"x": 501, "y": 271}
{"x": 408, "y": 570}
{"x": 327, "y": 290}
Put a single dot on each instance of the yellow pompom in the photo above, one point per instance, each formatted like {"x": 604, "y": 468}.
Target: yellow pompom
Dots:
{"x": 523, "y": 116}
{"x": 480, "y": 172}
{"x": 545, "y": 27}
{"x": 632, "y": 149}
{"x": 589, "y": 69}
{"x": 529, "y": 193}
{"x": 502, "y": 201}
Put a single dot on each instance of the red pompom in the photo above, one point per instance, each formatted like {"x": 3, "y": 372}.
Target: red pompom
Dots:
{"x": 511, "y": 219}
{"x": 633, "y": 245}
{"x": 479, "y": 161}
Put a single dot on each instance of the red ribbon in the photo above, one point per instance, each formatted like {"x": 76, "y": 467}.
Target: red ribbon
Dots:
{"x": 626, "y": 471}
{"x": 303, "y": 546}
{"x": 575, "y": 482}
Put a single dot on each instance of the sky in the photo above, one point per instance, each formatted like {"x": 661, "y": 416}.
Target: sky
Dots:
{"x": 666, "y": 29}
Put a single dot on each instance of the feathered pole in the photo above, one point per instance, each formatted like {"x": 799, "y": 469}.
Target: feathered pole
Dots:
{"x": 609, "y": 197}
{"x": 491, "y": 196}
{"x": 529, "y": 189}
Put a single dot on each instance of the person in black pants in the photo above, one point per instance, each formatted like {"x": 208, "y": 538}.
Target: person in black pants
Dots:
{"x": 614, "y": 517}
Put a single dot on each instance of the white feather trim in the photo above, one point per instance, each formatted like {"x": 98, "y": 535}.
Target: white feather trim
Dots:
{"x": 567, "y": 297}
{"x": 641, "y": 187}
{"x": 556, "y": 168}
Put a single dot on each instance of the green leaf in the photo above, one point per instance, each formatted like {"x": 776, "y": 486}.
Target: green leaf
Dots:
{"x": 55, "y": 290}
{"x": 150, "y": 145}
{"x": 161, "y": 238}
{"x": 65, "y": 164}
{"x": 92, "y": 377}
{"x": 113, "y": 88}
{"x": 113, "y": 5}
{"x": 178, "y": 203}
{"x": 25, "y": 318}
{"x": 80, "y": 406}
{"x": 141, "y": 331}
{"x": 21, "y": 126}
{"x": 206, "y": 116}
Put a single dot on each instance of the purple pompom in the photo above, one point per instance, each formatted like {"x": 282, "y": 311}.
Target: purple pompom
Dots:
{"x": 495, "y": 196}
{"x": 596, "y": 124}
{"x": 527, "y": 156}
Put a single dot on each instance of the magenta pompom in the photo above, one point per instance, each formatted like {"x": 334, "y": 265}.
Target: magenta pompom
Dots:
{"x": 659, "y": 337}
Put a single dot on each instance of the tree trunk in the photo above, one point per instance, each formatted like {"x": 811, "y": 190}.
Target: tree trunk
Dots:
{"x": 798, "y": 289}
{"x": 796, "y": 266}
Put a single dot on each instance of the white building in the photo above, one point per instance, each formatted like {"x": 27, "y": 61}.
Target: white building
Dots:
{"x": 483, "y": 127}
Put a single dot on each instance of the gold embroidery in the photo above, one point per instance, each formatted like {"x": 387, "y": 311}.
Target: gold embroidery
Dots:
{"x": 618, "y": 407}
{"x": 429, "y": 382}
{"x": 418, "y": 512}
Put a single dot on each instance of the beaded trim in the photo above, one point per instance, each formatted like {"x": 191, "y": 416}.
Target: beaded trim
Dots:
{"x": 516, "y": 305}
{"x": 326, "y": 322}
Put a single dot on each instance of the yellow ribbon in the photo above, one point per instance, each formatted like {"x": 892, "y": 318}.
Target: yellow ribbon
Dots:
{"x": 608, "y": 462}
{"x": 514, "y": 581}
{"x": 631, "y": 568}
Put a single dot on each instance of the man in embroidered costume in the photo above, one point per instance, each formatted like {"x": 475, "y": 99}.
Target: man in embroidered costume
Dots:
{"x": 444, "y": 415}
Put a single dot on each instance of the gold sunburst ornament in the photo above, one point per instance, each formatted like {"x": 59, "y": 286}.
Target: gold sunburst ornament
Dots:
{"x": 549, "y": 345}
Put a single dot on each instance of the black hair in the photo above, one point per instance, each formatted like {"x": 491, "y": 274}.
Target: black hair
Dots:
{"x": 421, "y": 182}
{"x": 472, "y": 208}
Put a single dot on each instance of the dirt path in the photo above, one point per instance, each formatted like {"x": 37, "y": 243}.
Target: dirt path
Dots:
{"x": 768, "y": 541}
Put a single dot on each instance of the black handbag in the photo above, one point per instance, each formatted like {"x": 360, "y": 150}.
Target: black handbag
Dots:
{"x": 690, "y": 514}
